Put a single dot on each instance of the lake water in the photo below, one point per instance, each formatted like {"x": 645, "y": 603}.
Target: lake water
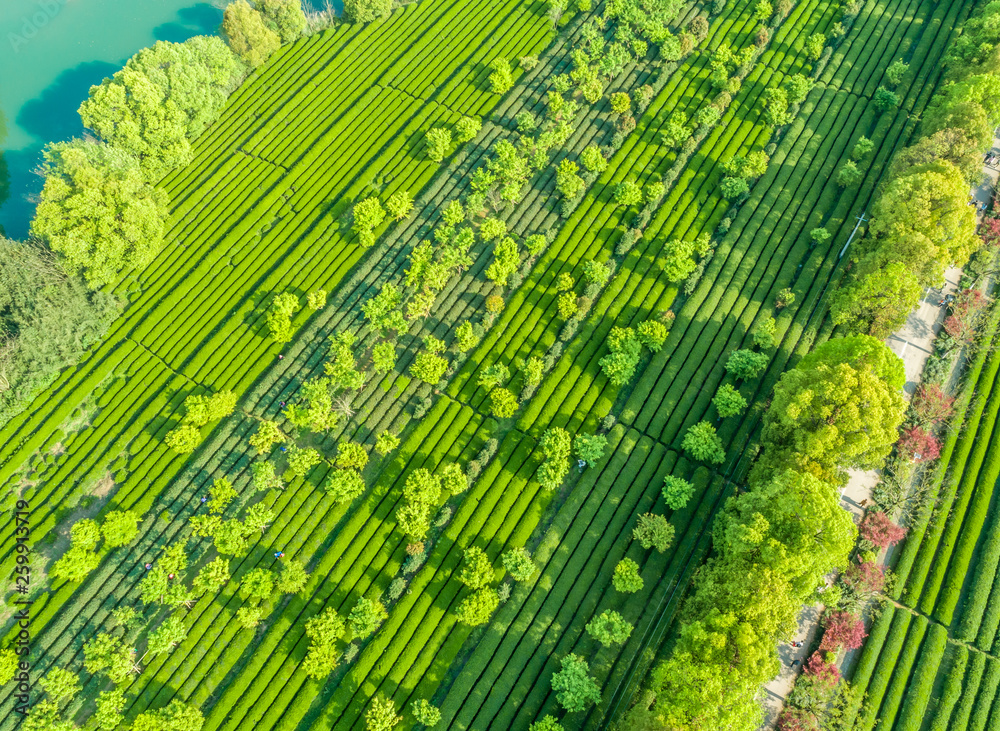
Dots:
{"x": 51, "y": 53}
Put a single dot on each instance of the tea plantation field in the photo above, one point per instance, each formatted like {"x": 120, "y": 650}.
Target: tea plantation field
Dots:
{"x": 421, "y": 411}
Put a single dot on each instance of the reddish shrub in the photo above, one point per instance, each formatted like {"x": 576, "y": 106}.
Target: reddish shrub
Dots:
{"x": 842, "y": 630}
{"x": 965, "y": 314}
{"x": 865, "y": 578}
{"x": 824, "y": 674}
{"x": 797, "y": 719}
{"x": 879, "y": 530}
{"x": 918, "y": 445}
{"x": 933, "y": 405}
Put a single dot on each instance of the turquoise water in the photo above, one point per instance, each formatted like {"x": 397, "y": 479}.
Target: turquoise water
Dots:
{"x": 51, "y": 52}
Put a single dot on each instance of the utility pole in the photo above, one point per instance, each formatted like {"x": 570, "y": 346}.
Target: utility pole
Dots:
{"x": 861, "y": 219}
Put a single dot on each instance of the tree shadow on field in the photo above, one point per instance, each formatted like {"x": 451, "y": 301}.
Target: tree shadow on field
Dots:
{"x": 200, "y": 19}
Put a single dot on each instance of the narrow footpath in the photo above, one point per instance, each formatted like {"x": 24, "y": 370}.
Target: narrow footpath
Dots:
{"x": 913, "y": 343}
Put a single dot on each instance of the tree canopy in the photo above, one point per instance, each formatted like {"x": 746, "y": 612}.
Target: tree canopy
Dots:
{"x": 839, "y": 407}
{"x": 97, "y": 210}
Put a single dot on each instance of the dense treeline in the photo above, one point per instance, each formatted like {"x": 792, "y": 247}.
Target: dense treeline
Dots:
{"x": 100, "y": 211}
{"x": 775, "y": 542}
{"x": 46, "y": 320}
{"x": 921, "y": 221}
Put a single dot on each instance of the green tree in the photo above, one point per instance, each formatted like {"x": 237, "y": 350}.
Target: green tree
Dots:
{"x": 279, "y": 315}
{"x": 175, "y": 716}
{"x": 268, "y": 434}
{"x": 746, "y": 364}
{"x": 8, "y": 666}
{"x": 247, "y": 34}
{"x": 609, "y": 628}
{"x": 45, "y": 716}
{"x": 351, "y": 455}
{"x": 814, "y": 46}
{"x": 120, "y": 528}
{"x": 167, "y": 636}
{"x": 502, "y": 79}
{"x": 518, "y": 563}
{"x": 840, "y": 407}
{"x": 626, "y": 578}
{"x": 366, "y": 617}
{"x": 590, "y": 447}
{"x": 849, "y": 175}
{"x": 97, "y": 210}
{"x": 85, "y": 534}
{"x": 503, "y": 403}
{"x": 797, "y": 86}
{"x": 652, "y": 334}
{"x": 108, "y": 714}
{"x": 677, "y": 492}
{"x": 453, "y": 478}
{"x": 428, "y": 367}
{"x": 653, "y": 531}
{"x": 60, "y": 684}
{"x": 212, "y": 577}
{"x": 368, "y": 214}
{"x": 877, "y": 302}
{"x": 620, "y": 363}
{"x": 293, "y": 577}
{"x": 257, "y": 584}
{"x": 729, "y": 401}
{"x": 568, "y": 181}
{"x": 75, "y": 564}
{"x": 628, "y": 193}
{"x": 477, "y": 607}
{"x": 548, "y": 723}
{"x": 399, "y": 204}
{"x": 381, "y": 715}
{"x": 776, "y": 106}
{"x": 924, "y": 221}
{"x": 284, "y": 17}
{"x": 231, "y": 538}
{"x": 477, "y": 569}
{"x": 438, "y": 143}
{"x": 384, "y": 357}
{"x": 492, "y": 376}
{"x": 703, "y": 444}
{"x": 365, "y": 11}
{"x": 763, "y": 334}
{"x": 316, "y": 300}
{"x": 884, "y": 100}
{"x": 505, "y": 261}
{"x": 249, "y": 617}
{"x": 386, "y": 442}
{"x": 733, "y": 188}
{"x": 862, "y": 149}
{"x": 593, "y": 160}
{"x": 467, "y": 128}
{"x": 425, "y": 713}
{"x": 264, "y": 476}
{"x": 108, "y": 654}
{"x": 574, "y": 688}
{"x": 258, "y": 517}
{"x": 345, "y": 485}
{"x": 323, "y": 631}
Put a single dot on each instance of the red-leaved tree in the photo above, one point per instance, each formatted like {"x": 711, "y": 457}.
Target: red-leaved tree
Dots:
{"x": 932, "y": 405}
{"x": 866, "y": 577}
{"x": 965, "y": 315}
{"x": 797, "y": 719}
{"x": 824, "y": 674}
{"x": 990, "y": 231}
{"x": 879, "y": 530}
{"x": 843, "y": 630}
{"x": 916, "y": 444}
